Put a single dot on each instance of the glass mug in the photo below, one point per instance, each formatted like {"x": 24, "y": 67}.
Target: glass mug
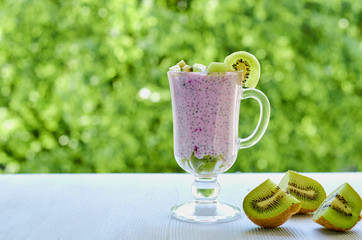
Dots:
{"x": 205, "y": 109}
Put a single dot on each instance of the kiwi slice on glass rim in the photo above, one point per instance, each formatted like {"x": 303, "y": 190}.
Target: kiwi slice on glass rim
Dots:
{"x": 270, "y": 206}
{"x": 246, "y": 62}
{"x": 307, "y": 190}
{"x": 341, "y": 210}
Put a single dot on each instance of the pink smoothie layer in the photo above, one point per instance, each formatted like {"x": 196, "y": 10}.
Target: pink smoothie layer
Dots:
{"x": 206, "y": 111}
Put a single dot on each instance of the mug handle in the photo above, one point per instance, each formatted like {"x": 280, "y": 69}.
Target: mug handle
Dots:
{"x": 263, "y": 119}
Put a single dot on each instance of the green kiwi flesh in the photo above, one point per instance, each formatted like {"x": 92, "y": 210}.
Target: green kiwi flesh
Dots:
{"x": 217, "y": 67}
{"x": 268, "y": 205}
{"x": 341, "y": 209}
{"x": 305, "y": 189}
{"x": 246, "y": 62}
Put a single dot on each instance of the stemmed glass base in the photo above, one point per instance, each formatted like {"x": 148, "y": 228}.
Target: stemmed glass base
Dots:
{"x": 205, "y": 213}
{"x": 205, "y": 208}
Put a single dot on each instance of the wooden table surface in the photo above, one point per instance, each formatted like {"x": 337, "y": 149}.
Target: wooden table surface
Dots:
{"x": 136, "y": 206}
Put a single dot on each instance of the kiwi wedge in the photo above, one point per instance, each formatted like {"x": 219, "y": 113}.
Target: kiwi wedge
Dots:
{"x": 217, "y": 67}
{"x": 178, "y": 67}
{"x": 341, "y": 210}
{"x": 246, "y": 62}
{"x": 270, "y": 206}
{"x": 187, "y": 68}
{"x": 307, "y": 190}
{"x": 181, "y": 63}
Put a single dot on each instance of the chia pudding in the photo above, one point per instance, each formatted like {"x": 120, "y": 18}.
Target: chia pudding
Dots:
{"x": 205, "y": 120}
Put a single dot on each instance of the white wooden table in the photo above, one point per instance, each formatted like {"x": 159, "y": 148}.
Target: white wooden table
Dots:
{"x": 136, "y": 206}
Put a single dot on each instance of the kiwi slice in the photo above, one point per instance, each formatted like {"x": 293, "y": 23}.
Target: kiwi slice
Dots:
{"x": 340, "y": 211}
{"x": 270, "y": 206}
{"x": 307, "y": 190}
{"x": 217, "y": 67}
{"x": 246, "y": 62}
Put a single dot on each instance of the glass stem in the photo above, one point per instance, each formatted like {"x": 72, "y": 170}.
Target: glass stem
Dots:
{"x": 205, "y": 190}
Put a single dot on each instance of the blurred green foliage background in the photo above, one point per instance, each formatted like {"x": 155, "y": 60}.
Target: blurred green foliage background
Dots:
{"x": 83, "y": 85}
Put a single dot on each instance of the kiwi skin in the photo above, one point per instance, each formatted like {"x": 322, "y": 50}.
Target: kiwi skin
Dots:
{"x": 307, "y": 211}
{"x": 277, "y": 220}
